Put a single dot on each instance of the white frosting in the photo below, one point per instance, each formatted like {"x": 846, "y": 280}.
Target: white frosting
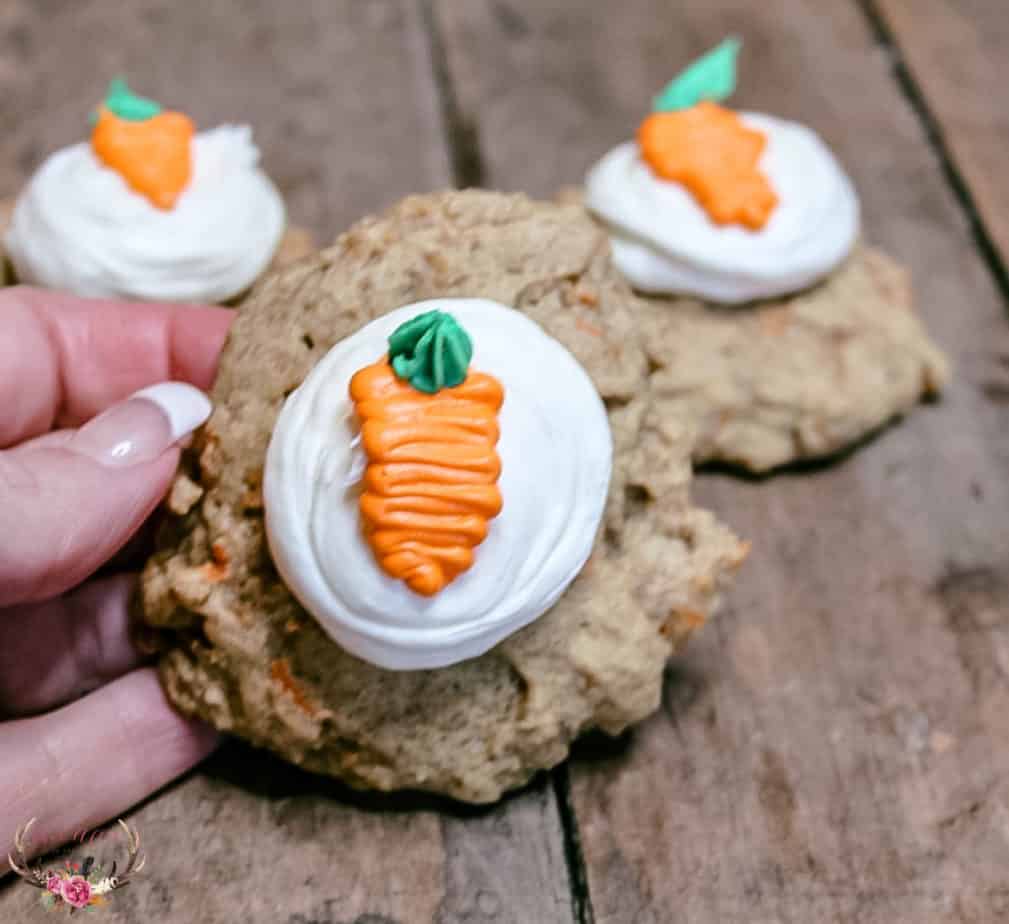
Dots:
{"x": 79, "y": 227}
{"x": 664, "y": 242}
{"x": 555, "y": 450}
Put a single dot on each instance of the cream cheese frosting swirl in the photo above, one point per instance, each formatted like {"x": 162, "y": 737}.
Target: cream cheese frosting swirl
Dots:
{"x": 665, "y": 243}
{"x": 556, "y": 454}
{"x": 79, "y": 227}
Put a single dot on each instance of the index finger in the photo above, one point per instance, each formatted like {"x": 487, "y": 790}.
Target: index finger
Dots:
{"x": 63, "y": 359}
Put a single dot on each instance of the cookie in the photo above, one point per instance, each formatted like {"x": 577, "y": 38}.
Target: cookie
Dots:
{"x": 773, "y": 328}
{"x": 208, "y": 217}
{"x": 799, "y": 377}
{"x": 793, "y": 378}
{"x": 242, "y": 654}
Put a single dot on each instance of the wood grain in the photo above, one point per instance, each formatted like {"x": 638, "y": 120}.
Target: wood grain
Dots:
{"x": 956, "y": 52}
{"x": 346, "y": 113}
{"x": 830, "y": 748}
{"x": 250, "y": 838}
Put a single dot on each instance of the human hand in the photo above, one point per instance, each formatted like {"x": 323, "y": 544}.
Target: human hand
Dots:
{"x": 69, "y": 500}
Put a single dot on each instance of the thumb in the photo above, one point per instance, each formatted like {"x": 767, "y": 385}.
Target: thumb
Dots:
{"x": 69, "y": 500}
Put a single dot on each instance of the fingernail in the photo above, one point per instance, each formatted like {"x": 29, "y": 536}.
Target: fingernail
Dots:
{"x": 143, "y": 426}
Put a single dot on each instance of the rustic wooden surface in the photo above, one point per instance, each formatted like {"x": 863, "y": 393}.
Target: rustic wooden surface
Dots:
{"x": 831, "y": 748}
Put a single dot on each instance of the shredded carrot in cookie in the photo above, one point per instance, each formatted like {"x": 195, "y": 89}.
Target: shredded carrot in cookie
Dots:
{"x": 152, "y": 155}
{"x": 280, "y": 672}
{"x": 217, "y": 570}
{"x": 430, "y": 487}
{"x": 709, "y": 150}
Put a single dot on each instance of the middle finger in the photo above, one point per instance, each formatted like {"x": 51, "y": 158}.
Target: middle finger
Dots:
{"x": 54, "y": 651}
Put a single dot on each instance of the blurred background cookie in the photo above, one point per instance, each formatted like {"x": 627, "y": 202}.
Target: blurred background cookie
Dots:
{"x": 771, "y": 327}
{"x": 149, "y": 208}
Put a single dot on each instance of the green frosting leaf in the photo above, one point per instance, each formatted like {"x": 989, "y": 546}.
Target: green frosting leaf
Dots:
{"x": 121, "y": 101}
{"x": 710, "y": 77}
{"x": 431, "y": 351}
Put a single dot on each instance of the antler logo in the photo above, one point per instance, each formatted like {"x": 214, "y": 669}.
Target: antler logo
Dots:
{"x": 75, "y": 886}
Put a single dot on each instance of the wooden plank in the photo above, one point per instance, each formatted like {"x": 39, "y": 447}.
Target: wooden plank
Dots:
{"x": 347, "y": 115}
{"x": 830, "y": 747}
{"x": 248, "y": 837}
{"x": 958, "y": 55}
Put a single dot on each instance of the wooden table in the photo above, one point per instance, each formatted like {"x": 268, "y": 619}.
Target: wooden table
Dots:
{"x": 833, "y": 746}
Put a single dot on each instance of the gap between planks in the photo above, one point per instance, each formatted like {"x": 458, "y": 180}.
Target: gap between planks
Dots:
{"x": 461, "y": 135}
{"x": 578, "y": 874}
{"x": 468, "y": 170}
{"x": 954, "y": 177}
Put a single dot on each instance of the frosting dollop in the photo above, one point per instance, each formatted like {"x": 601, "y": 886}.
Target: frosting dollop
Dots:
{"x": 79, "y": 227}
{"x": 664, "y": 242}
{"x": 556, "y": 454}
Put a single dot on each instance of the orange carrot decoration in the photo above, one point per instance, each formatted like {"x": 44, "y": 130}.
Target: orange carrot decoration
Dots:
{"x": 430, "y": 487}
{"x": 149, "y": 148}
{"x": 709, "y": 150}
{"x": 691, "y": 140}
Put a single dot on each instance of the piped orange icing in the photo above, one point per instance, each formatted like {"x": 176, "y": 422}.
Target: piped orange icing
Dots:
{"x": 430, "y": 486}
{"x": 153, "y": 156}
{"x": 709, "y": 150}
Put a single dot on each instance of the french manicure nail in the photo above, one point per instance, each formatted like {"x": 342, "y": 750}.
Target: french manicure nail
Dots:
{"x": 143, "y": 426}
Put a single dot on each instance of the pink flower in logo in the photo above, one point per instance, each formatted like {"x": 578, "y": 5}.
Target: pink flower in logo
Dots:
{"x": 76, "y": 891}
{"x": 54, "y": 884}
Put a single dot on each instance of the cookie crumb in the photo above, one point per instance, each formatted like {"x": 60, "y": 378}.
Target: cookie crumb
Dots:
{"x": 252, "y": 499}
{"x": 280, "y": 673}
{"x": 217, "y": 570}
{"x": 184, "y": 495}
